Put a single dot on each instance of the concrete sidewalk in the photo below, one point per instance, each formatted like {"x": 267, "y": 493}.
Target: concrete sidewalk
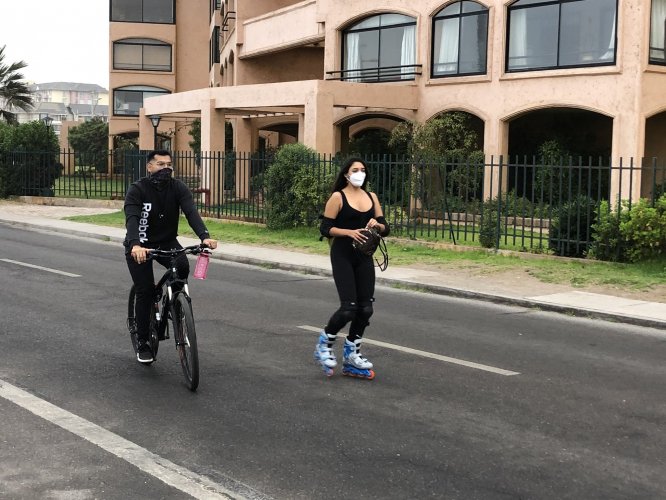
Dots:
{"x": 42, "y": 217}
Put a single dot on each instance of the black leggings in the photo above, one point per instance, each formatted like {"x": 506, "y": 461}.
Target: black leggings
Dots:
{"x": 144, "y": 281}
{"x": 354, "y": 275}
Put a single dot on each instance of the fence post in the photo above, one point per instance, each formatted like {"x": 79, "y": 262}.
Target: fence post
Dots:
{"x": 498, "y": 229}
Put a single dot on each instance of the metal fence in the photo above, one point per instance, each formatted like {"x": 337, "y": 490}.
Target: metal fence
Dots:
{"x": 522, "y": 203}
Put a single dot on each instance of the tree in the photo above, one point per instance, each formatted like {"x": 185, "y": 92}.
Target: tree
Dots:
{"x": 296, "y": 187}
{"x": 28, "y": 159}
{"x": 14, "y": 93}
{"x": 90, "y": 140}
{"x": 449, "y": 141}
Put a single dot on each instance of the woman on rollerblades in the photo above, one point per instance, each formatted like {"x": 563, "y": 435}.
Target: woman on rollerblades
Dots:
{"x": 349, "y": 210}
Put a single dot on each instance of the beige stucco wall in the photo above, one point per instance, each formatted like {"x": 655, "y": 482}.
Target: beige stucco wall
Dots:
{"x": 286, "y": 66}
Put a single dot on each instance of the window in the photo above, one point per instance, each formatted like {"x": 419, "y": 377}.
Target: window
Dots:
{"x": 460, "y": 39}
{"x": 142, "y": 54}
{"x": 658, "y": 32}
{"x": 214, "y": 47}
{"x": 127, "y": 101}
{"x": 143, "y": 11}
{"x": 380, "y": 48}
{"x": 561, "y": 33}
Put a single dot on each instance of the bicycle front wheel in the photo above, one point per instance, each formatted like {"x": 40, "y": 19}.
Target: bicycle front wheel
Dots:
{"x": 186, "y": 339}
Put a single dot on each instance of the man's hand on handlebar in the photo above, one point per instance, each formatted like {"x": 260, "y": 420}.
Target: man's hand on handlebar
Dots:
{"x": 210, "y": 243}
{"x": 139, "y": 254}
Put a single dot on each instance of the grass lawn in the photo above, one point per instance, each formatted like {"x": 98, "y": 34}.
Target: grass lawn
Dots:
{"x": 404, "y": 252}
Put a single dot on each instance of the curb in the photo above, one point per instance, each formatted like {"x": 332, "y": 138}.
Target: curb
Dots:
{"x": 395, "y": 283}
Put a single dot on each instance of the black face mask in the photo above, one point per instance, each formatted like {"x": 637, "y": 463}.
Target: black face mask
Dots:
{"x": 161, "y": 177}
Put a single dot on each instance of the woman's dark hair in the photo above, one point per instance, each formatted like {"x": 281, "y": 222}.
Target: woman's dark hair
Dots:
{"x": 341, "y": 181}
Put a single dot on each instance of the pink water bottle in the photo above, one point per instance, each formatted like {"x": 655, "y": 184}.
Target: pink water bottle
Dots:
{"x": 201, "y": 267}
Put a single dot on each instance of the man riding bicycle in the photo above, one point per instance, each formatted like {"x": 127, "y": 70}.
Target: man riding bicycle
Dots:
{"x": 152, "y": 209}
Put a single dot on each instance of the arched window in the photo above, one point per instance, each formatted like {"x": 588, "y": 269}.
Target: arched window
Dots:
{"x": 658, "y": 32}
{"x": 142, "y": 54}
{"x": 460, "y": 39}
{"x": 127, "y": 101}
{"x": 561, "y": 33}
{"x": 380, "y": 48}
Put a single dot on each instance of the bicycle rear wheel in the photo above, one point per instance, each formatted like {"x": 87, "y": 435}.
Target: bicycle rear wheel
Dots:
{"x": 186, "y": 339}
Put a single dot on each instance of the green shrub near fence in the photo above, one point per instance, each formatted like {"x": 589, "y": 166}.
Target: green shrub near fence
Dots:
{"x": 296, "y": 187}
{"x": 633, "y": 233}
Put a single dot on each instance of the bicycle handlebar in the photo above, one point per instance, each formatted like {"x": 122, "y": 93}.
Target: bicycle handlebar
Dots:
{"x": 193, "y": 250}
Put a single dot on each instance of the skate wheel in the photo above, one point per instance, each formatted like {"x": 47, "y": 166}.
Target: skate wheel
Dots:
{"x": 369, "y": 376}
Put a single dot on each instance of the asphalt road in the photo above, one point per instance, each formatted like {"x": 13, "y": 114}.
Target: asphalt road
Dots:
{"x": 471, "y": 400}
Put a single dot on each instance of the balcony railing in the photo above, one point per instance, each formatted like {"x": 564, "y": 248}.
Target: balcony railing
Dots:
{"x": 228, "y": 16}
{"x": 382, "y": 74}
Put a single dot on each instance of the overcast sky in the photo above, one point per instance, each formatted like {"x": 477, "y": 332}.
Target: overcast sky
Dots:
{"x": 60, "y": 40}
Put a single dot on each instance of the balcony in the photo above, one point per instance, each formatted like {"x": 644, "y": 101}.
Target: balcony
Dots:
{"x": 282, "y": 29}
{"x": 379, "y": 74}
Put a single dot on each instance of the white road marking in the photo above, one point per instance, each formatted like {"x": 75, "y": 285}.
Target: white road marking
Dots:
{"x": 425, "y": 354}
{"x": 189, "y": 482}
{"x": 41, "y": 268}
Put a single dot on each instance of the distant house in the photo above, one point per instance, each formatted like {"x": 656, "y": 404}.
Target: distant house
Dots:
{"x": 66, "y": 101}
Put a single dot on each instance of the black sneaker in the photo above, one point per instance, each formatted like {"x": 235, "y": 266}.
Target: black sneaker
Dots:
{"x": 144, "y": 353}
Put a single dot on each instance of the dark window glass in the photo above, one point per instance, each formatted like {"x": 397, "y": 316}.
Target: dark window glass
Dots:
{"x": 158, "y": 11}
{"x": 214, "y": 47}
{"x": 658, "y": 32}
{"x": 460, "y": 40}
{"x": 143, "y": 11}
{"x": 560, "y": 34}
{"x": 126, "y": 10}
{"x": 127, "y": 101}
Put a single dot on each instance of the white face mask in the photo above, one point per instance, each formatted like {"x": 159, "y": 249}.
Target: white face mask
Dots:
{"x": 357, "y": 178}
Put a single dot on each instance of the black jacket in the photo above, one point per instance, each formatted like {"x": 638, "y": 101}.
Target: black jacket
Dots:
{"x": 151, "y": 214}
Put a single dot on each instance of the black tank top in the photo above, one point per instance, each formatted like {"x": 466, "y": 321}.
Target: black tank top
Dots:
{"x": 350, "y": 218}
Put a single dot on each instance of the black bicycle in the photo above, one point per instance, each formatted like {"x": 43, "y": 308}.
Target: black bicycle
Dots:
{"x": 172, "y": 303}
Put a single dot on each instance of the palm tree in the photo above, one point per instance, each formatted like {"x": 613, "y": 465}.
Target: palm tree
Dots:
{"x": 14, "y": 93}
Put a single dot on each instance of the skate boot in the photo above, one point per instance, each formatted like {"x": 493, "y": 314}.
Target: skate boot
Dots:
{"x": 323, "y": 354}
{"x": 353, "y": 364}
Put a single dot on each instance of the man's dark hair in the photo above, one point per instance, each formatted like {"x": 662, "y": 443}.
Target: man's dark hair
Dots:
{"x": 158, "y": 152}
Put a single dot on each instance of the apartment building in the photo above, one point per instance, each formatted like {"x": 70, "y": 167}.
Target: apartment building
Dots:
{"x": 156, "y": 48}
{"x": 323, "y": 71}
{"x": 66, "y": 103}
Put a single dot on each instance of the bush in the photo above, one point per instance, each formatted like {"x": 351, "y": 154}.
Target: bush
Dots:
{"x": 490, "y": 229}
{"x": 636, "y": 233}
{"x": 607, "y": 244}
{"x": 296, "y": 187}
{"x": 644, "y": 230}
{"x": 28, "y": 159}
{"x": 571, "y": 229}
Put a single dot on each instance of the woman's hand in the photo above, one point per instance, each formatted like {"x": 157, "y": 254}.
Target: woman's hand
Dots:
{"x": 357, "y": 235}
{"x": 373, "y": 223}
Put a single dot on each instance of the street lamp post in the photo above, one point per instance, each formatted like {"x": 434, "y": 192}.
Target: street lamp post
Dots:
{"x": 47, "y": 121}
{"x": 47, "y": 180}
{"x": 155, "y": 120}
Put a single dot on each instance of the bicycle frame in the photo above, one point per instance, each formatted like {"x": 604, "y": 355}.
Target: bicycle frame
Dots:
{"x": 166, "y": 282}
{"x": 168, "y": 279}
